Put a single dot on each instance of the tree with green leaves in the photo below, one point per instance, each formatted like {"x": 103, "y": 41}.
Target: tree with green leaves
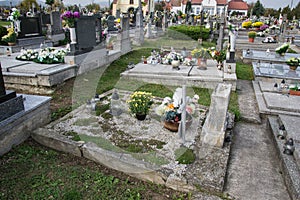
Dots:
{"x": 258, "y": 9}
{"x": 26, "y": 5}
{"x": 93, "y": 7}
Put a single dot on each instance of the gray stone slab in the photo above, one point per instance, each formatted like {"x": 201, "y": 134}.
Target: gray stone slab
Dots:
{"x": 32, "y": 68}
{"x": 15, "y": 129}
{"x": 7, "y": 64}
{"x": 282, "y": 102}
{"x": 275, "y": 71}
{"x": 160, "y": 69}
{"x": 291, "y": 124}
{"x": 271, "y": 57}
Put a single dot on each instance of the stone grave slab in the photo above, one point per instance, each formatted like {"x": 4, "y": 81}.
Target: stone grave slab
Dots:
{"x": 8, "y": 64}
{"x": 282, "y": 102}
{"x": 32, "y": 68}
{"x": 160, "y": 69}
{"x": 271, "y": 56}
{"x": 291, "y": 124}
{"x": 270, "y": 70}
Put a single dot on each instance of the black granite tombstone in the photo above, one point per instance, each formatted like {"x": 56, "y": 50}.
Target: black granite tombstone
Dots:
{"x": 85, "y": 33}
{"x": 30, "y": 27}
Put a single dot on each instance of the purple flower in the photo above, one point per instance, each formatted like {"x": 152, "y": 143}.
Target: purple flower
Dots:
{"x": 76, "y": 14}
{"x": 263, "y": 27}
{"x": 68, "y": 14}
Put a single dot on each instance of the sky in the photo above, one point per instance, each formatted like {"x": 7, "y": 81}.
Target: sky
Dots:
{"x": 266, "y": 3}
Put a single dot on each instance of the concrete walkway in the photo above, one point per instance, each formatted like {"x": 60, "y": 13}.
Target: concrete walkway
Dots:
{"x": 253, "y": 171}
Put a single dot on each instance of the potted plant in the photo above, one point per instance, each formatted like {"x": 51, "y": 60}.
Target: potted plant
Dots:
{"x": 11, "y": 37}
{"x": 219, "y": 56}
{"x": 293, "y": 63}
{"x": 294, "y": 90}
{"x": 251, "y": 36}
{"x": 140, "y": 103}
{"x": 202, "y": 55}
{"x": 282, "y": 49}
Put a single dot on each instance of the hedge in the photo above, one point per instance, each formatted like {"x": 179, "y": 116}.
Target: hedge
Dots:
{"x": 188, "y": 32}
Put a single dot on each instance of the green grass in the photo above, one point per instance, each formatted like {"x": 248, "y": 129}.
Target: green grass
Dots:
{"x": 244, "y": 71}
{"x": 4, "y": 23}
{"x": 34, "y": 172}
{"x": 185, "y": 155}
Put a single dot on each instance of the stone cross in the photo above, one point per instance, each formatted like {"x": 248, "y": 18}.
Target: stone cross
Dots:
{"x": 2, "y": 86}
{"x": 182, "y": 125}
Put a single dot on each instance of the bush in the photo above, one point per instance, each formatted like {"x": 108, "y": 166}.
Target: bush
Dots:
{"x": 3, "y": 31}
{"x": 188, "y": 32}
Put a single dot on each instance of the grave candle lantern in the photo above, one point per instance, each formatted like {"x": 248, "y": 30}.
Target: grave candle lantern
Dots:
{"x": 115, "y": 104}
{"x": 289, "y": 147}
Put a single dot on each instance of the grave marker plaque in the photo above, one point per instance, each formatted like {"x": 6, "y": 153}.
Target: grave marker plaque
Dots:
{"x": 30, "y": 27}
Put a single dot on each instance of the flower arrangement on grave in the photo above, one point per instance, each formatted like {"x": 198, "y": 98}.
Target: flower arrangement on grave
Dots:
{"x": 14, "y": 15}
{"x": 200, "y": 53}
{"x": 219, "y": 56}
{"x": 282, "y": 49}
{"x": 170, "y": 111}
{"x": 168, "y": 58}
{"x": 140, "y": 102}
{"x": 11, "y": 36}
{"x": 293, "y": 63}
{"x": 28, "y": 55}
{"x": 45, "y": 56}
{"x": 263, "y": 27}
{"x": 257, "y": 24}
{"x": 70, "y": 17}
{"x": 246, "y": 24}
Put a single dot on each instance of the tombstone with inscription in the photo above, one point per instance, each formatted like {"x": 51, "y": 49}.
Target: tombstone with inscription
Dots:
{"x": 221, "y": 33}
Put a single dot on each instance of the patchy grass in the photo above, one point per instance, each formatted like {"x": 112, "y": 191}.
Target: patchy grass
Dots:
{"x": 244, "y": 71}
{"x": 234, "y": 106}
{"x": 86, "y": 121}
{"x": 31, "y": 171}
{"x": 185, "y": 155}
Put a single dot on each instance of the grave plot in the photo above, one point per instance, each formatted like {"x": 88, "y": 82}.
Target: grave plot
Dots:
{"x": 144, "y": 149}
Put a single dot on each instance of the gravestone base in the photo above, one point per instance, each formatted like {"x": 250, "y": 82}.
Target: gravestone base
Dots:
{"x": 11, "y": 106}
{"x": 230, "y": 67}
{"x": 9, "y": 95}
{"x": 16, "y": 129}
{"x": 56, "y": 38}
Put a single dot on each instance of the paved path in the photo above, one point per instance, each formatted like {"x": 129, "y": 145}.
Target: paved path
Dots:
{"x": 253, "y": 171}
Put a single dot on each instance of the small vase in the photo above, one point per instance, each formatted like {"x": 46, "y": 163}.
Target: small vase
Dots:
{"x": 251, "y": 40}
{"x": 140, "y": 117}
{"x": 73, "y": 35}
{"x": 202, "y": 63}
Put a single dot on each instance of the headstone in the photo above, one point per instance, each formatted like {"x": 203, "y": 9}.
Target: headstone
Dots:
{"x": 30, "y": 27}
{"x": 213, "y": 131}
{"x": 125, "y": 38}
{"x": 56, "y": 23}
{"x": 45, "y": 19}
{"x": 98, "y": 27}
{"x": 118, "y": 12}
{"x": 139, "y": 34}
{"x": 85, "y": 33}
{"x": 111, "y": 23}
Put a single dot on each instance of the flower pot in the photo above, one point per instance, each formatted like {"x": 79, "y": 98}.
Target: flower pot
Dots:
{"x": 140, "y": 117}
{"x": 11, "y": 43}
{"x": 202, "y": 63}
{"x": 295, "y": 92}
{"x": 73, "y": 35}
{"x": 172, "y": 126}
{"x": 251, "y": 40}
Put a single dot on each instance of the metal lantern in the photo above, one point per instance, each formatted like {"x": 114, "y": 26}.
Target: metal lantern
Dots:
{"x": 115, "y": 104}
{"x": 289, "y": 147}
{"x": 282, "y": 132}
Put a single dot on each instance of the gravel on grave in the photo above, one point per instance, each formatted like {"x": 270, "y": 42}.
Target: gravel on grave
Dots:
{"x": 209, "y": 168}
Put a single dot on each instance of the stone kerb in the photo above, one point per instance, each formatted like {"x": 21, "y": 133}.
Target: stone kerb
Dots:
{"x": 214, "y": 128}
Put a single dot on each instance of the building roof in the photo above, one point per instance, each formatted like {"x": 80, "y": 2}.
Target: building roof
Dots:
{"x": 221, "y": 2}
{"x": 237, "y": 5}
{"x": 194, "y": 2}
